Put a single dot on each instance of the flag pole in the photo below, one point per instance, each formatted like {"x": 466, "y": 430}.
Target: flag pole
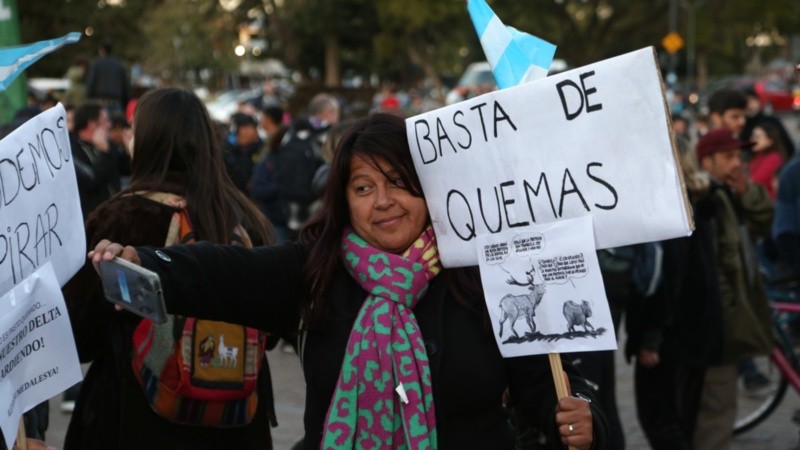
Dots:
{"x": 521, "y": 58}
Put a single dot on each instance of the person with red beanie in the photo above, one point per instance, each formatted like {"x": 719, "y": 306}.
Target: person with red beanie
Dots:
{"x": 742, "y": 212}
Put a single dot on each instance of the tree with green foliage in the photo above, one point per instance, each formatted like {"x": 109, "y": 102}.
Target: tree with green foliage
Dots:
{"x": 587, "y": 31}
{"x": 323, "y": 36}
{"x": 401, "y": 40}
{"x": 185, "y": 37}
{"x": 433, "y": 36}
{"x": 118, "y": 22}
{"x": 724, "y": 29}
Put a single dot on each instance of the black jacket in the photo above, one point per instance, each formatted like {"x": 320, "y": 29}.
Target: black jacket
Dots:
{"x": 97, "y": 173}
{"x": 684, "y": 317}
{"x": 260, "y": 288}
{"x": 107, "y": 79}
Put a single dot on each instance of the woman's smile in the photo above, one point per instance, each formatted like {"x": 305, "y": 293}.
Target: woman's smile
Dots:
{"x": 382, "y": 211}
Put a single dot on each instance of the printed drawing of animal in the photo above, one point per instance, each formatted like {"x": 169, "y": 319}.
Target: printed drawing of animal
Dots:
{"x": 577, "y": 315}
{"x": 227, "y": 355}
{"x": 206, "y": 350}
{"x": 515, "y": 306}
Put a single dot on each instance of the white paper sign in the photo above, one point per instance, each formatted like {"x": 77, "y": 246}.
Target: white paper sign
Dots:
{"x": 40, "y": 210}
{"x": 590, "y": 141}
{"x": 38, "y": 358}
{"x": 544, "y": 291}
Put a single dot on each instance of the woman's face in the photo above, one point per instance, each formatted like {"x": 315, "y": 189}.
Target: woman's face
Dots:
{"x": 382, "y": 211}
{"x": 762, "y": 141}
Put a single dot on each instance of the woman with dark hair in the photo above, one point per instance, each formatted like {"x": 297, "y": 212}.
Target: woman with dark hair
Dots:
{"x": 768, "y": 156}
{"x": 397, "y": 352}
{"x": 176, "y": 164}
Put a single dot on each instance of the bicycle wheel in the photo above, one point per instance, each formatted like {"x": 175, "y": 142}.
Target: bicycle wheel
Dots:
{"x": 752, "y": 408}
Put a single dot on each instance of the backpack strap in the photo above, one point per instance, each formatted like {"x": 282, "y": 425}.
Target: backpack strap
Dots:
{"x": 241, "y": 237}
{"x": 166, "y": 198}
{"x": 180, "y": 230}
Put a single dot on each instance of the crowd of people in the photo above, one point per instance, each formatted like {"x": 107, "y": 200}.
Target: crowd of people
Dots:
{"x": 314, "y": 230}
{"x": 694, "y": 339}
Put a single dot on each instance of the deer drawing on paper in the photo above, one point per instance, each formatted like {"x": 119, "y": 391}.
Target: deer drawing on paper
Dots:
{"x": 513, "y": 307}
{"x": 227, "y": 355}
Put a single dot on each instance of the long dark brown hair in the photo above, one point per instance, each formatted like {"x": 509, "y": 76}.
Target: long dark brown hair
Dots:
{"x": 378, "y": 137}
{"x": 774, "y": 134}
{"x": 176, "y": 149}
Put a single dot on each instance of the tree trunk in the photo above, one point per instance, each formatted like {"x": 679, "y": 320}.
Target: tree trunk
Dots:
{"x": 702, "y": 69}
{"x": 290, "y": 46}
{"x": 430, "y": 72}
{"x": 333, "y": 69}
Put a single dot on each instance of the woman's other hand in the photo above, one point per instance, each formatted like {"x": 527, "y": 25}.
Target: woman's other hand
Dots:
{"x": 648, "y": 358}
{"x": 106, "y": 250}
{"x": 100, "y": 139}
{"x": 574, "y": 419}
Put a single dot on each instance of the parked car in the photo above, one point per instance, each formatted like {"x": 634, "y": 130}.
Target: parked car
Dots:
{"x": 40, "y": 87}
{"x": 476, "y": 80}
{"x": 225, "y": 103}
{"x": 776, "y": 95}
{"x": 796, "y": 94}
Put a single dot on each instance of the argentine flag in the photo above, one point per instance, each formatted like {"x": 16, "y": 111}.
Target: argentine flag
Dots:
{"x": 13, "y": 60}
{"x": 515, "y": 57}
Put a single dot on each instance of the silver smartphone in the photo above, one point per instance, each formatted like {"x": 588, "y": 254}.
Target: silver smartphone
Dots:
{"x": 134, "y": 288}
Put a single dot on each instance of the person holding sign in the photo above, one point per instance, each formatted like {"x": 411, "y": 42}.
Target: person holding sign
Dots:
{"x": 177, "y": 164}
{"x": 397, "y": 351}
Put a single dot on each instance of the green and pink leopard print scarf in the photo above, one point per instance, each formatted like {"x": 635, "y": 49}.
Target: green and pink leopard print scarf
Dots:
{"x": 385, "y": 350}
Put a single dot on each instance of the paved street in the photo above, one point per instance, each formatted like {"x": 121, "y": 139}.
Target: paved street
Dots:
{"x": 778, "y": 433}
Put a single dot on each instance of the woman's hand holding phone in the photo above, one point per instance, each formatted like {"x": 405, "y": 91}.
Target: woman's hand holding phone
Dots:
{"x": 150, "y": 304}
{"x": 106, "y": 250}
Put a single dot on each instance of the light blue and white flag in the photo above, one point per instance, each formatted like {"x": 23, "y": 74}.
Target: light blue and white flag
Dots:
{"x": 13, "y": 60}
{"x": 515, "y": 57}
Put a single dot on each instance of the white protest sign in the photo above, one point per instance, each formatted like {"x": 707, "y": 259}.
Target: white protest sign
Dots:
{"x": 38, "y": 358}
{"x": 40, "y": 211}
{"x": 590, "y": 141}
{"x": 544, "y": 291}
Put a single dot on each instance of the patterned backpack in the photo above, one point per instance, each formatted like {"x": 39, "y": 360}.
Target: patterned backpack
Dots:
{"x": 199, "y": 372}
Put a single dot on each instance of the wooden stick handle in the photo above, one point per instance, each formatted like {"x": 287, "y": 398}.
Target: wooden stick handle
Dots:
{"x": 22, "y": 441}
{"x": 558, "y": 378}
{"x": 558, "y": 375}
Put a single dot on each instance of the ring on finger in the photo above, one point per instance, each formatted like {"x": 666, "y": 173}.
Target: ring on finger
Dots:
{"x": 571, "y": 429}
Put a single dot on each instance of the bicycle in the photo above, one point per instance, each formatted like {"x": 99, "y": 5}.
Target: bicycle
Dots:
{"x": 782, "y": 366}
